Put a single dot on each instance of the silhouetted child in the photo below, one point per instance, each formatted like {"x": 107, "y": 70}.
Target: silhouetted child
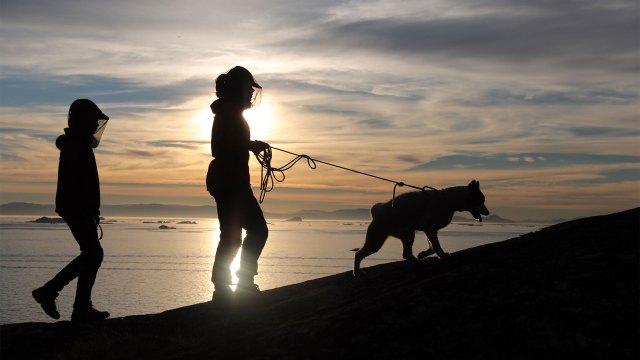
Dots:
{"x": 78, "y": 203}
{"x": 228, "y": 182}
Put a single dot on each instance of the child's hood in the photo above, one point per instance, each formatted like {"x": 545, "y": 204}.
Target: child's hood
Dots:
{"x": 222, "y": 107}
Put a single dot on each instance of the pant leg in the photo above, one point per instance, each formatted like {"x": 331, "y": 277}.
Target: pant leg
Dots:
{"x": 229, "y": 207}
{"x": 257, "y": 233}
{"x": 65, "y": 276}
{"x": 85, "y": 266}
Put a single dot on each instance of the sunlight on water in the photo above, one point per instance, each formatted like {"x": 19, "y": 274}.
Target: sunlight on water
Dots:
{"x": 149, "y": 270}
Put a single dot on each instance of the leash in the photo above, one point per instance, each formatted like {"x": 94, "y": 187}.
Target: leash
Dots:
{"x": 270, "y": 175}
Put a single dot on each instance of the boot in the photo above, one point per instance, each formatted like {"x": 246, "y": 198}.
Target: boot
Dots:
{"x": 88, "y": 314}
{"x": 247, "y": 288}
{"x": 47, "y": 300}
{"x": 222, "y": 293}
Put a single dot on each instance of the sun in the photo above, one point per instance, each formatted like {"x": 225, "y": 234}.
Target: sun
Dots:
{"x": 261, "y": 121}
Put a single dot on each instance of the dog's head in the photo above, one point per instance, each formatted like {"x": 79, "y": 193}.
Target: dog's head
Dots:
{"x": 475, "y": 201}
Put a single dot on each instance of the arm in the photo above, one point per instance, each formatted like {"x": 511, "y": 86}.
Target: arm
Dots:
{"x": 233, "y": 137}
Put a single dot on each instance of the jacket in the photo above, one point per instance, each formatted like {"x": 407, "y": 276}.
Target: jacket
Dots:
{"x": 230, "y": 145}
{"x": 78, "y": 189}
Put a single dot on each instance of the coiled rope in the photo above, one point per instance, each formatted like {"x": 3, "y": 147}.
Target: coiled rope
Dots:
{"x": 269, "y": 174}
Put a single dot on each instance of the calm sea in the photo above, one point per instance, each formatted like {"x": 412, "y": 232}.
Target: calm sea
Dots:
{"x": 148, "y": 270}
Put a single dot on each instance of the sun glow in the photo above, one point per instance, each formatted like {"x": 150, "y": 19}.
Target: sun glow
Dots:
{"x": 261, "y": 120}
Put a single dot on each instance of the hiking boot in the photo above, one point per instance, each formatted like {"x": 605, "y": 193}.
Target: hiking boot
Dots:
{"x": 222, "y": 293}
{"x": 47, "y": 300}
{"x": 248, "y": 289}
{"x": 88, "y": 315}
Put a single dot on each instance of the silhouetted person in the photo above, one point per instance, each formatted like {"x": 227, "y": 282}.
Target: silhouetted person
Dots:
{"x": 228, "y": 182}
{"x": 78, "y": 203}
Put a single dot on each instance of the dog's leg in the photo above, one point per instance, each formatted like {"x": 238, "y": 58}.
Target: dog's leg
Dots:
{"x": 432, "y": 234}
{"x": 426, "y": 253}
{"x": 376, "y": 235}
{"x": 407, "y": 236}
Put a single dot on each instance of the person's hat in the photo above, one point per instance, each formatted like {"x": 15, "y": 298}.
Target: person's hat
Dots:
{"x": 239, "y": 72}
{"x": 85, "y": 108}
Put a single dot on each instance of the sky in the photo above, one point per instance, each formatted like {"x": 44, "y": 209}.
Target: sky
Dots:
{"x": 537, "y": 100}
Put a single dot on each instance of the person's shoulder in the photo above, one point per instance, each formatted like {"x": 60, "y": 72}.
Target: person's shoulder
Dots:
{"x": 62, "y": 142}
{"x": 70, "y": 143}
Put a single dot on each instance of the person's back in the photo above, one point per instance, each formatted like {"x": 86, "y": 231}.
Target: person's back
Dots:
{"x": 78, "y": 181}
{"x": 230, "y": 141}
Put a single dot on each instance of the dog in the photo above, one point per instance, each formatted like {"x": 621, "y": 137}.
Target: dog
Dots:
{"x": 427, "y": 211}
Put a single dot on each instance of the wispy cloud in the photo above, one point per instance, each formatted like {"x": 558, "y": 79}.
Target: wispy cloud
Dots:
{"x": 525, "y": 160}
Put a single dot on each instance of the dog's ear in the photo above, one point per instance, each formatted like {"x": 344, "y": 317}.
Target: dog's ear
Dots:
{"x": 474, "y": 185}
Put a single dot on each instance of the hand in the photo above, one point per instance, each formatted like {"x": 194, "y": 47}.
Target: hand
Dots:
{"x": 96, "y": 218}
{"x": 259, "y": 146}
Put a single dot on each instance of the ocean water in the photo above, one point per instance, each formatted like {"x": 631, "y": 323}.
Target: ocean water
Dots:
{"x": 149, "y": 270}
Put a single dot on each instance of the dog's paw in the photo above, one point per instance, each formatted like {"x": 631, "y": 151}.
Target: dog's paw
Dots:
{"x": 358, "y": 273}
{"x": 426, "y": 253}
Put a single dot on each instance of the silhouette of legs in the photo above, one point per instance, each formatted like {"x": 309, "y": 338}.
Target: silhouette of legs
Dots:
{"x": 229, "y": 210}
{"x": 84, "y": 267}
{"x": 238, "y": 209}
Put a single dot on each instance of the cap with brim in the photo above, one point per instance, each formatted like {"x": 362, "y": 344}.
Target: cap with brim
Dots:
{"x": 239, "y": 72}
{"x": 86, "y": 108}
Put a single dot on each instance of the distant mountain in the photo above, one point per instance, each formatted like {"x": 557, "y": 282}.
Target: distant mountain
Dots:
{"x": 20, "y": 208}
{"x": 141, "y": 210}
{"x": 208, "y": 211}
{"x": 496, "y": 219}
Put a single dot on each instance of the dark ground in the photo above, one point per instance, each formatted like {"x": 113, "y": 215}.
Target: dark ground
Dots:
{"x": 568, "y": 291}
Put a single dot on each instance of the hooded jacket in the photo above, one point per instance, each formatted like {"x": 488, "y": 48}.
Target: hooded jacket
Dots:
{"x": 230, "y": 145}
{"x": 78, "y": 182}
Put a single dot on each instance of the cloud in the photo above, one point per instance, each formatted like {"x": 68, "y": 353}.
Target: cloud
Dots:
{"x": 518, "y": 32}
{"x": 526, "y": 160}
{"x": 577, "y": 97}
{"x": 602, "y": 131}
{"x": 612, "y": 176}
{"x": 182, "y": 144}
{"x": 376, "y": 123}
{"x": 22, "y": 89}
